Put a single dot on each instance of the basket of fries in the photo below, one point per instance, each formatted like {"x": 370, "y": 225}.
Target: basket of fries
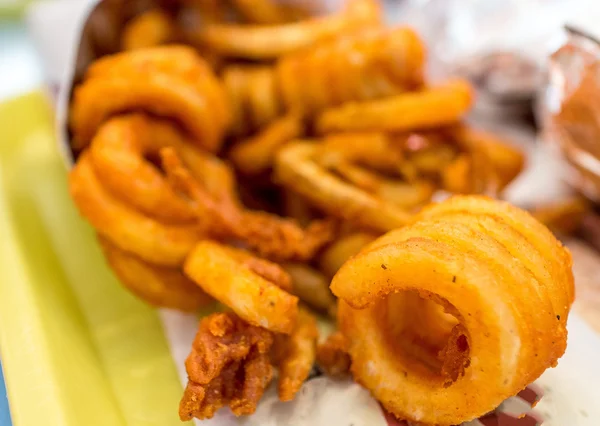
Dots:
{"x": 246, "y": 158}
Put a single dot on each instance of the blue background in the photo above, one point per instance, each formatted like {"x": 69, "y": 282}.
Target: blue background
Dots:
{"x": 4, "y": 414}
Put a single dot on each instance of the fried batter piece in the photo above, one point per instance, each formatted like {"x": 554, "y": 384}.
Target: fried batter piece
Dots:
{"x": 229, "y": 366}
{"x": 296, "y": 355}
{"x": 333, "y": 357}
{"x": 269, "y": 235}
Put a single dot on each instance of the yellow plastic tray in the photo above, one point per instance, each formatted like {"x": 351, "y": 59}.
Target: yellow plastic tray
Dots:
{"x": 76, "y": 348}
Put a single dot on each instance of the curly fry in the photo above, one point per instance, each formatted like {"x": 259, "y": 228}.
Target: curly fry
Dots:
{"x": 310, "y": 286}
{"x": 333, "y": 356}
{"x": 269, "y": 235}
{"x": 297, "y": 169}
{"x": 369, "y": 64}
{"x": 233, "y": 283}
{"x": 159, "y": 286}
{"x": 131, "y": 231}
{"x": 475, "y": 260}
{"x": 120, "y": 152}
{"x": 268, "y": 42}
{"x": 426, "y": 109}
{"x": 256, "y": 154}
{"x": 171, "y": 82}
{"x": 149, "y": 29}
{"x": 297, "y": 355}
{"x": 262, "y": 12}
{"x": 229, "y": 366}
{"x": 506, "y": 160}
{"x": 334, "y": 256}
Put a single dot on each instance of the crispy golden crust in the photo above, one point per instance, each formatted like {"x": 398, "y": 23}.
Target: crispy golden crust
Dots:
{"x": 297, "y": 354}
{"x": 430, "y": 108}
{"x": 297, "y": 169}
{"x": 333, "y": 356}
{"x": 171, "y": 82}
{"x": 229, "y": 366}
{"x": 125, "y": 227}
{"x": 157, "y": 285}
{"x": 269, "y": 235}
{"x": 150, "y": 29}
{"x": 233, "y": 283}
{"x": 493, "y": 290}
{"x": 268, "y": 42}
{"x": 120, "y": 153}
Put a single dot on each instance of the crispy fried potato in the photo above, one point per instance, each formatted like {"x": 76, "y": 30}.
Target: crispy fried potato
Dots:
{"x": 297, "y": 169}
{"x": 311, "y": 286}
{"x": 157, "y": 285}
{"x": 172, "y": 82}
{"x": 150, "y": 29}
{"x": 126, "y": 228}
{"x": 427, "y": 109}
{"x": 297, "y": 353}
{"x": 269, "y": 42}
{"x": 233, "y": 283}
{"x": 334, "y": 256}
{"x": 257, "y": 154}
{"x": 474, "y": 259}
{"x": 333, "y": 356}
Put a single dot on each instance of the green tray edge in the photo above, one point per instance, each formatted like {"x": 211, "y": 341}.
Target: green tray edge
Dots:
{"x": 76, "y": 348}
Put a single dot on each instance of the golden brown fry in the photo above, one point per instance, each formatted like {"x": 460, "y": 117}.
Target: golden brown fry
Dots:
{"x": 296, "y": 168}
{"x": 233, "y": 283}
{"x": 262, "y": 12}
{"x": 427, "y": 109}
{"x": 510, "y": 318}
{"x": 267, "y": 234}
{"x": 563, "y": 216}
{"x": 369, "y": 64}
{"x": 297, "y": 353}
{"x": 456, "y": 176}
{"x": 341, "y": 250}
{"x": 126, "y": 228}
{"x": 150, "y": 29}
{"x": 120, "y": 152}
{"x": 297, "y": 208}
{"x": 311, "y": 286}
{"x": 402, "y": 194}
{"x": 229, "y": 365}
{"x": 172, "y": 82}
{"x": 257, "y": 154}
{"x": 374, "y": 150}
{"x": 270, "y": 271}
{"x": 157, "y": 285}
{"x": 333, "y": 356}
{"x": 269, "y": 42}
{"x": 507, "y": 160}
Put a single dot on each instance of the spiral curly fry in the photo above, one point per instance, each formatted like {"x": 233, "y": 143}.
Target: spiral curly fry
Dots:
{"x": 296, "y": 167}
{"x": 125, "y": 227}
{"x": 365, "y": 65}
{"x": 257, "y": 154}
{"x": 269, "y": 42}
{"x": 233, "y": 283}
{"x": 296, "y": 355}
{"x": 427, "y": 109}
{"x": 158, "y": 285}
{"x": 494, "y": 288}
{"x": 267, "y": 234}
{"x": 150, "y": 29}
{"x": 171, "y": 82}
{"x": 122, "y": 151}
